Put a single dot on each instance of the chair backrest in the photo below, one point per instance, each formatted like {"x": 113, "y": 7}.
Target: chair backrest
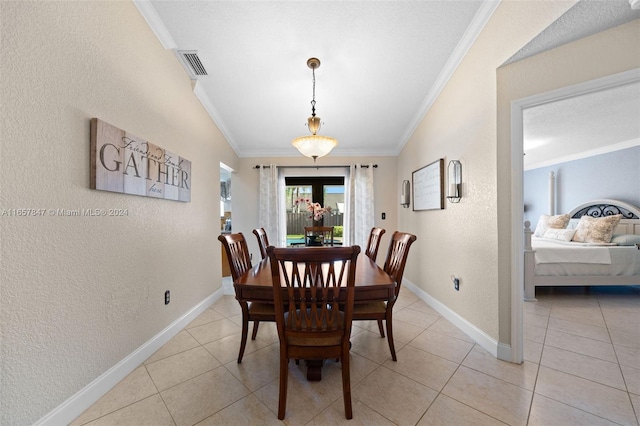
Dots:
{"x": 263, "y": 241}
{"x": 374, "y": 243}
{"x": 397, "y": 256}
{"x": 237, "y": 253}
{"x": 324, "y": 233}
{"x": 317, "y": 282}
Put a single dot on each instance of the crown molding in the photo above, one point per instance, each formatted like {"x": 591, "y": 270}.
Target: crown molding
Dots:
{"x": 150, "y": 15}
{"x": 586, "y": 154}
{"x": 215, "y": 116}
{"x": 471, "y": 34}
{"x": 336, "y": 152}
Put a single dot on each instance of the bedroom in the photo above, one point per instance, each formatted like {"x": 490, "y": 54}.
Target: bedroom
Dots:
{"x": 588, "y": 148}
{"x": 579, "y": 149}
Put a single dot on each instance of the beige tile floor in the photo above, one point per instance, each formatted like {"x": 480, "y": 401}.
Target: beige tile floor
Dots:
{"x": 582, "y": 367}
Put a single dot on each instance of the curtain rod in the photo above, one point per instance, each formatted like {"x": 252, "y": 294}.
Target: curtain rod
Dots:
{"x": 366, "y": 166}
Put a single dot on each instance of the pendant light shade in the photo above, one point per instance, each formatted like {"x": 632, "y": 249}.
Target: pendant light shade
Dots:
{"x": 314, "y": 145}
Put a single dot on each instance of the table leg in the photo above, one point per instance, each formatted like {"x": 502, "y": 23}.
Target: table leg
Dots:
{"x": 314, "y": 369}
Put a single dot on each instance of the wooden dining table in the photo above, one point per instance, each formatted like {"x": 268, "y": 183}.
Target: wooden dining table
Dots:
{"x": 372, "y": 284}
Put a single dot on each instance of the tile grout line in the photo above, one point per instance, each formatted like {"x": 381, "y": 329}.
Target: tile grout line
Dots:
{"x": 535, "y": 383}
{"x": 633, "y": 408}
{"x": 602, "y": 384}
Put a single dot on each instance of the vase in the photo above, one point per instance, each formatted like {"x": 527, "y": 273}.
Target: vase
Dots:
{"x": 314, "y": 240}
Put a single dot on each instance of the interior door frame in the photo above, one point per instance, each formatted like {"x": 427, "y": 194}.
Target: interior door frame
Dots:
{"x": 517, "y": 170}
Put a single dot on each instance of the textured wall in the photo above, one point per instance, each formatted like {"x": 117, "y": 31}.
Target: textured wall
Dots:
{"x": 615, "y": 175}
{"x": 463, "y": 239}
{"x": 81, "y": 293}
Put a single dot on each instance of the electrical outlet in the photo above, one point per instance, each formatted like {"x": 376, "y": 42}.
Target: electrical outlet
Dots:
{"x": 167, "y": 297}
{"x": 384, "y": 216}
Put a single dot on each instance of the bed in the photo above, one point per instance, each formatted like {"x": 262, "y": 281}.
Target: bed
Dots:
{"x": 557, "y": 262}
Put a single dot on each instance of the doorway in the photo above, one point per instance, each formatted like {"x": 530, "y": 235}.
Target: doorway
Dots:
{"x": 517, "y": 198}
{"x": 328, "y": 191}
{"x": 226, "y": 224}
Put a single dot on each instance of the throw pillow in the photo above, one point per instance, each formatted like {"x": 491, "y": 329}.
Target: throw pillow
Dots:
{"x": 596, "y": 229}
{"x": 626, "y": 239}
{"x": 560, "y": 234}
{"x": 545, "y": 222}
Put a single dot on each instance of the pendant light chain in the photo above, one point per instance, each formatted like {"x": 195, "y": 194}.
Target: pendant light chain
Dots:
{"x": 314, "y": 145}
{"x": 313, "y": 101}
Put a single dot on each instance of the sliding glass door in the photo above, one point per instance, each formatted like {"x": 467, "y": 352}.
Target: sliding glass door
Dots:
{"x": 328, "y": 191}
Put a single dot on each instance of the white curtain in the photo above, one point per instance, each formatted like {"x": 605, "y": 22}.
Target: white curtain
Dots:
{"x": 359, "y": 214}
{"x": 271, "y": 216}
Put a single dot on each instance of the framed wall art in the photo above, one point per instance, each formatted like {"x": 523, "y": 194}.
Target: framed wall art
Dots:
{"x": 122, "y": 162}
{"x": 428, "y": 186}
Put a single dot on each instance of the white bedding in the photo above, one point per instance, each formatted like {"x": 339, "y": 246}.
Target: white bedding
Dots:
{"x": 606, "y": 265}
{"x": 619, "y": 260}
{"x": 554, "y": 251}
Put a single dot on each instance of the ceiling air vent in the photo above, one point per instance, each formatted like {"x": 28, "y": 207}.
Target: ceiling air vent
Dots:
{"x": 192, "y": 63}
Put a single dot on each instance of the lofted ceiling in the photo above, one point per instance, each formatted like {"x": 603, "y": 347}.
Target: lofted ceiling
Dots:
{"x": 383, "y": 63}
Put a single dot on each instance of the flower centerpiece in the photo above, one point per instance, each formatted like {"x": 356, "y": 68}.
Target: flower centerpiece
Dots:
{"x": 316, "y": 213}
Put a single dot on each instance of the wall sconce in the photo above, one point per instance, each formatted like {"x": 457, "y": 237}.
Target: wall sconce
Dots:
{"x": 405, "y": 198}
{"x": 454, "y": 172}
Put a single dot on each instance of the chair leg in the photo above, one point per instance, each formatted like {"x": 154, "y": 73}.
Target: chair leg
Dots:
{"x": 346, "y": 385}
{"x": 284, "y": 377}
{"x": 392, "y": 348}
{"x": 255, "y": 330}
{"x": 381, "y": 328}
{"x": 245, "y": 330}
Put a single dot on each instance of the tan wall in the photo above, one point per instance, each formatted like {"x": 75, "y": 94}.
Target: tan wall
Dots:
{"x": 463, "y": 239}
{"x": 246, "y": 182}
{"x": 603, "y": 54}
{"x": 79, "y": 294}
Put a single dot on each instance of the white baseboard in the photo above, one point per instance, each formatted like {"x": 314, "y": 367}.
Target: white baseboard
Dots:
{"x": 69, "y": 410}
{"x": 491, "y": 345}
{"x": 227, "y": 286}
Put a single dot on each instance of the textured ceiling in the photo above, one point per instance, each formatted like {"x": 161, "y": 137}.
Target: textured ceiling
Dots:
{"x": 574, "y": 127}
{"x": 383, "y": 64}
{"x": 585, "y": 18}
{"x": 587, "y": 124}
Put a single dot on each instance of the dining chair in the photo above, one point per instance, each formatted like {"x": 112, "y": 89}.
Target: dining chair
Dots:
{"x": 394, "y": 266}
{"x": 310, "y": 285}
{"x": 263, "y": 241}
{"x": 239, "y": 263}
{"x": 324, "y": 234}
{"x": 374, "y": 243}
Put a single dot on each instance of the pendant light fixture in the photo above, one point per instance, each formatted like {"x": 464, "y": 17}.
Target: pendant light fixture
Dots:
{"x": 314, "y": 145}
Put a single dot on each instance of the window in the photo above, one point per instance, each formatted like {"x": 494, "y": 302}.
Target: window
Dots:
{"x": 328, "y": 191}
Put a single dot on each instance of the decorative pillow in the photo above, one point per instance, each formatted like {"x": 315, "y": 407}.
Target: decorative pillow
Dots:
{"x": 596, "y": 230}
{"x": 625, "y": 239}
{"x": 545, "y": 222}
{"x": 560, "y": 234}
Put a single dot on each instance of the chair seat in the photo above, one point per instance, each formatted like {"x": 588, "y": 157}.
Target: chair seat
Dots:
{"x": 262, "y": 311}
{"x": 257, "y": 308}
{"x": 369, "y": 308}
